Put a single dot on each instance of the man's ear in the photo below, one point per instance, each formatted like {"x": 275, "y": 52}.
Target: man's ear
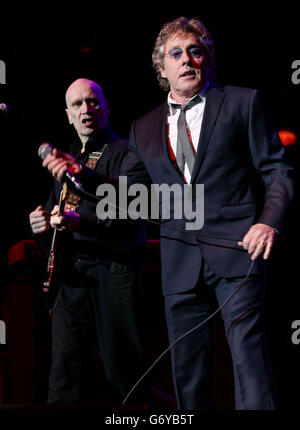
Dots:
{"x": 162, "y": 72}
{"x": 68, "y": 115}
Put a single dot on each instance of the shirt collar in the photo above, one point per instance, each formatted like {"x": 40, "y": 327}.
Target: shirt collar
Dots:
{"x": 202, "y": 94}
{"x": 95, "y": 143}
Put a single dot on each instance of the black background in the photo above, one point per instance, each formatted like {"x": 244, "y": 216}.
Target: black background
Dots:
{"x": 45, "y": 50}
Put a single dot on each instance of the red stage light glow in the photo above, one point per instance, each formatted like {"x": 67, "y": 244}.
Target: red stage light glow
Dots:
{"x": 86, "y": 49}
{"x": 287, "y": 137}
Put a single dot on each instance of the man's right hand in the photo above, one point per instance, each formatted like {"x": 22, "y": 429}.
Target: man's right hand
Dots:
{"x": 58, "y": 162}
{"x": 39, "y": 220}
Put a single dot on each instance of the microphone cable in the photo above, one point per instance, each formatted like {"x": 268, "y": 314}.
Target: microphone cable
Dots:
{"x": 196, "y": 327}
{"x": 81, "y": 191}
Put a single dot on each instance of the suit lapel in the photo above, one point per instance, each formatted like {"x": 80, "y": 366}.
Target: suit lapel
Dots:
{"x": 162, "y": 137}
{"x": 214, "y": 100}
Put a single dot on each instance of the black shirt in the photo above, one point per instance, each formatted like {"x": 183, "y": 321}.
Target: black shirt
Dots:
{"x": 112, "y": 239}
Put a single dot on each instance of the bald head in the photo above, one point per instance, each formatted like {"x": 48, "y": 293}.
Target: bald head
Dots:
{"x": 87, "y": 108}
{"x": 81, "y": 84}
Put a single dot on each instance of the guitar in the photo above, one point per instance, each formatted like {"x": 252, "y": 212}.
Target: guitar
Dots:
{"x": 47, "y": 285}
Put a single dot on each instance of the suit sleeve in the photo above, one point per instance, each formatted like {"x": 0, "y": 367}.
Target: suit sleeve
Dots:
{"x": 269, "y": 159}
{"x": 133, "y": 166}
{"x": 107, "y": 228}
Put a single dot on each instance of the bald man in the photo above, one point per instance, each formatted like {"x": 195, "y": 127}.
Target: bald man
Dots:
{"x": 97, "y": 282}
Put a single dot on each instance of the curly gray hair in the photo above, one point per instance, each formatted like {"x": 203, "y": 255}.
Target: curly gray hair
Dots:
{"x": 182, "y": 26}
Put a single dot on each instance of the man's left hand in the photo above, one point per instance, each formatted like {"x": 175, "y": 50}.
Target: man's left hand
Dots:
{"x": 259, "y": 239}
{"x": 69, "y": 221}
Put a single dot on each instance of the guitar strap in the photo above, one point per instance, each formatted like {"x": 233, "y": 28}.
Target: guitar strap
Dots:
{"x": 73, "y": 200}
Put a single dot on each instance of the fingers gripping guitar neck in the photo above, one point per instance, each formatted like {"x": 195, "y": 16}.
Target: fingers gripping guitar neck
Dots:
{"x": 51, "y": 257}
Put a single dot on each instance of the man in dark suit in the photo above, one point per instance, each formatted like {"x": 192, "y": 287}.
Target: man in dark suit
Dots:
{"x": 220, "y": 137}
{"x": 97, "y": 301}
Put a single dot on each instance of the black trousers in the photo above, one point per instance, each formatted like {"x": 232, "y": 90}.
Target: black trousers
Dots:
{"x": 243, "y": 321}
{"x": 99, "y": 299}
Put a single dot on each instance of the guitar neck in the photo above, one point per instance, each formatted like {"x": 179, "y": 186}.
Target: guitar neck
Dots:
{"x": 62, "y": 198}
{"x": 60, "y": 212}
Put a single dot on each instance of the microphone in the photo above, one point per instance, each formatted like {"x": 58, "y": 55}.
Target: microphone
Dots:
{"x": 46, "y": 149}
{"x": 4, "y": 109}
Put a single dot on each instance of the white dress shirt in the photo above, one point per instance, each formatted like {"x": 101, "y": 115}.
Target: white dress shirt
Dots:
{"x": 194, "y": 117}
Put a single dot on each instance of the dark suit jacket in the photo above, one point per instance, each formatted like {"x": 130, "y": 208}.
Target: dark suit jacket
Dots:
{"x": 247, "y": 180}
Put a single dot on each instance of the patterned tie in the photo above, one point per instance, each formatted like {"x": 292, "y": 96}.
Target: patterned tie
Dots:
{"x": 184, "y": 150}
